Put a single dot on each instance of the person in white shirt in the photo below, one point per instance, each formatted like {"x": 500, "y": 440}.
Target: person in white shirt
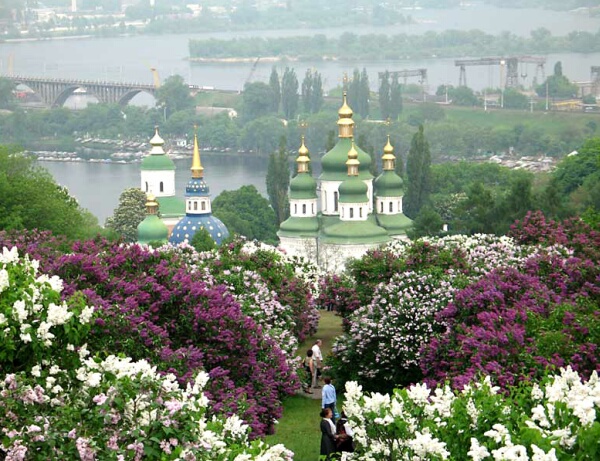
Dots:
{"x": 317, "y": 362}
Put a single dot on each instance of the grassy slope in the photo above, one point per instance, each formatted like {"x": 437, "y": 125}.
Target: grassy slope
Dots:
{"x": 298, "y": 429}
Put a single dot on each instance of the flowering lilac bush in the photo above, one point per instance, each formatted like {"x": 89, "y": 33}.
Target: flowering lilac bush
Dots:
{"x": 558, "y": 419}
{"x": 381, "y": 348}
{"x": 512, "y": 325}
{"x": 61, "y": 403}
{"x": 152, "y": 307}
{"x": 255, "y": 275}
{"x": 382, "y": 343}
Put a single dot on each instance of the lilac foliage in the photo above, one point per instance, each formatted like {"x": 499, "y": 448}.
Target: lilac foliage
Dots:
{"x": 152, "y": 306}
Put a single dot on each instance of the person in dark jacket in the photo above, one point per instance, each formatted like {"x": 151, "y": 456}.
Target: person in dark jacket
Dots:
{"x": 328, "y": 435}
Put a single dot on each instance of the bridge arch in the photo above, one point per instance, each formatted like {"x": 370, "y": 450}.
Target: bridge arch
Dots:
{"x": 127, "y": 97}
{"x": 70, "y": 91}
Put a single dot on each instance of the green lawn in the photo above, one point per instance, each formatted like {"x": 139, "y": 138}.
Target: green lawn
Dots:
{"x": 298, "y": 429}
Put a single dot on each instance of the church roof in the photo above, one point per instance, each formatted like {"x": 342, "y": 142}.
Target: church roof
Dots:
{"x": 171, "y": 207}
{"x": 152, "y": 229}
{"x": 303, "y": 187}
{"x": 185, "y": 229}
{"x": 395, "y": 224}
{"x": 158, "y": 159}
{"x": 389, "y": 184}
{"x": 197, "y": 187}
{"x": 353, "y": 190}
{"x": 334, "y": 166}
{"x": 157, "y": 162}
{"x": 299, "y": 227}
{"x": 354, "y": 232}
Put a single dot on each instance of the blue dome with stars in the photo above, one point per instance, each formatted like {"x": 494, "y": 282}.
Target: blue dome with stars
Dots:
{"x": 185, "y": 229}
{"x": 198, "y": 214}
{"x": 197, "y": 187}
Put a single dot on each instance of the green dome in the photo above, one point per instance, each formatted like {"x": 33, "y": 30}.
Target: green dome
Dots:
{"x": 157, "y": 162}
{"x": 353, "y": 190}
{"x": 303, "y": 187}
{"x": 299, "y": 227}
{"x": 334, "y": 166}
{"x": 389, "y": 184}
{"x": 395, "y": 224}
{"x": 355, "y": 232}
{"x": 152, "y": 229}
{"x": 171, "y": 206}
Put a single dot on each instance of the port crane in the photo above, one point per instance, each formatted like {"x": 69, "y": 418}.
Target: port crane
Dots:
{"x": 155, "y": 77}
{"x": 510, "y": 62}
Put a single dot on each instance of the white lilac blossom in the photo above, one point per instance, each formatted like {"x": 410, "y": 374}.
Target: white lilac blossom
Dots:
{"x": 422, "y": 423}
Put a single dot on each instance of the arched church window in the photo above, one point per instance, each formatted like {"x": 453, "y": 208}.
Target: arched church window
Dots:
{"x": 203, "y": 206}
{"x": 360, "y": 212}
{"x": 381, "y": 207}
{"x": 312, "y": 208}
{"x": 391, "y": 207}
{"x": 335, "y": 200}
{"x": 195, "y": 206}
{"x": 162, "y": 187}
{"x": 351, "y": 213}
{"x": 146, "y": 186}
{"x": 304, "y": 209}
{"x": 295, "y": 208}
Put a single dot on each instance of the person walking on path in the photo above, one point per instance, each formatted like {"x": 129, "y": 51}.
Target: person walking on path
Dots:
{"x": 317, "y": 362}
{"x": 311, "y": 370}
{"x": 328, "y": 436}
{"x": 329, "y": 397}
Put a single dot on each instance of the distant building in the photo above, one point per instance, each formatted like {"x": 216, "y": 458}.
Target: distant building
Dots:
{"x": 198, "y": 215}
{"x": 158, "y": 177}
{"x": 152, "y": 229}
{"x": 353, "y": 213}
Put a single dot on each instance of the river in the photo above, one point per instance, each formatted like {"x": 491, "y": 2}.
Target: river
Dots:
{"x": 129, "y": 58}
{"x": 97, "y": 186}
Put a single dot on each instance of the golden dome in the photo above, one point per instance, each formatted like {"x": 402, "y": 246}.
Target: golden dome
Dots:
{"x": 303, "y": 151}
{"x": 345, "y": 111}
{"x": 156, "y": 139}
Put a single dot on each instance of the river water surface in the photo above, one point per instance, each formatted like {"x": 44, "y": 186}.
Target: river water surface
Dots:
{"x": 97, "y": 186}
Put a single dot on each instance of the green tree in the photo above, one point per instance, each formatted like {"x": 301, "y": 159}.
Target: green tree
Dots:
{"x": 306, "y": 92}
{"x": 395, "y": 98}
{"x": 278, "y": 182}
{"x": 257, "y": 100}
{"x": 130, "y": 211}
{"x": 174, "y": 95}
{"x": 475, "y": 214}
{"x": 317, "y": 93}
{"x": 557, "y": 85}
{"x": 462, "y": 96}
{"x": 572, "y": 170}
{"x": 385, "y": 101}
{"x": 246, "y": 212}
{"x": 427, "y": 223}
{"x": 289, "y": 93}
{"x": 262, "y": 135}
{"x": 364, "y": 94}
{"x": 7, "y": 98}
{"x": 515, "y": 205}
{"x": 514, "y": 99}
{"x": 275, "y": 89}
{"x": 418, "y": 165}
{"x": 202, "y": 241}
{"x": 31, "y": 199}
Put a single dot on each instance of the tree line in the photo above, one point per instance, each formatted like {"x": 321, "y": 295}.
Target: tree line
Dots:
{"x": 351, "y": 46}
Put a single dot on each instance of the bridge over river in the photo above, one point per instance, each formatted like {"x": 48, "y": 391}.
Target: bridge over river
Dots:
{"x": 55, "y": 91}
